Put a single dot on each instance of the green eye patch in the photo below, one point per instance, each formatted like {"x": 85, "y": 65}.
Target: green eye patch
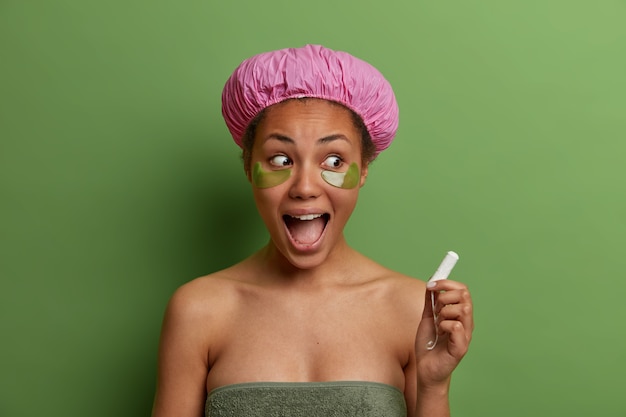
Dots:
{"x": 267, "y": 179}
{"x": 346, "y": 180}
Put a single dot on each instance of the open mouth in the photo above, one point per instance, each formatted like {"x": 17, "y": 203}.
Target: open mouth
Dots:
{"x": 306, "y": 229}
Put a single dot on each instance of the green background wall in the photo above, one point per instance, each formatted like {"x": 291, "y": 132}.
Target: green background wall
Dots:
{"x": 119, "y": 182}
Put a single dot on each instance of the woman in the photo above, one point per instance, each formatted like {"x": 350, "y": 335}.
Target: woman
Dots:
{"x": 307, "y": 325}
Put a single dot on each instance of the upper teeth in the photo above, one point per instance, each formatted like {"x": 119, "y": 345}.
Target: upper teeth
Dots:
{"x": 307, "y": 216}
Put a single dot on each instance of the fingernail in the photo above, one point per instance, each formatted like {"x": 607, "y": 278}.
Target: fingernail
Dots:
{"x": 431, "y": 284}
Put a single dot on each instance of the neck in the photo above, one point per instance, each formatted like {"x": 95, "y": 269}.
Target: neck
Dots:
{"x": 337, "y": 268}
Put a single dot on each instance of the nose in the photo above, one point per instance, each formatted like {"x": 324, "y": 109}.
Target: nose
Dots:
{"x": 306, "y": 183}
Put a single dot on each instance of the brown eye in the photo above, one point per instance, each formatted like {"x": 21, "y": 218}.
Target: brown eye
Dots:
{"x": 333, "y": 162}
{"x": 280, "y": 161}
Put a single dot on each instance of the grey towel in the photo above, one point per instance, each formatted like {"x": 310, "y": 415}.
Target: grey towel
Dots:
{"x": 306, "y": 399}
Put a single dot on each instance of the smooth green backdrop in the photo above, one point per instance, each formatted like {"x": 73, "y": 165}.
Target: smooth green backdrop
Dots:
{"x": 119, "y": 182}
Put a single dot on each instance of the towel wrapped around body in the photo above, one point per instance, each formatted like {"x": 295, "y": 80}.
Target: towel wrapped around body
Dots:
{"x": 306, "y": 399}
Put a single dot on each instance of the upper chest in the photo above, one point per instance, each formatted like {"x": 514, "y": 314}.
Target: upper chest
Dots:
{"x": 360, "y": 334}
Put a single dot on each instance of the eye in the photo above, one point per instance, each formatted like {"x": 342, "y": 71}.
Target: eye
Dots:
{"x": 280, "y": 161}
{"x": 333, "y": 162}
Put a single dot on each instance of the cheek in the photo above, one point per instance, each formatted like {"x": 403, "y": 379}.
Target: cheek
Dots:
{"x": 344, "y": 201}
{"x": 268, "y": 202}
{"x": 263, "y": 199}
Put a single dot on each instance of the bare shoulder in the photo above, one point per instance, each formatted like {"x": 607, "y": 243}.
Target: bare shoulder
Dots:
{"x": 403, "y": 292}
{"x": 204, "y": 297}
{"x": 406, "y": 283}
{"x": 197, "y": 317}
{"x": 194, "y": 322}
{"x": 408, "y": 292}
{"x": 393, "y": 279}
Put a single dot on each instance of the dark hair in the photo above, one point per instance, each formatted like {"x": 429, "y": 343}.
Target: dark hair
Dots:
{"x": 368, "y": 149}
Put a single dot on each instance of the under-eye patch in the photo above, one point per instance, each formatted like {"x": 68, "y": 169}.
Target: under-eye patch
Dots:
{"x": 267, "y": 179}
{"x": 347, "y": 180}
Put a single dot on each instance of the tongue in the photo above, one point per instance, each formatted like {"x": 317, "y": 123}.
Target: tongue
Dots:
{"x": 306, "y": 231}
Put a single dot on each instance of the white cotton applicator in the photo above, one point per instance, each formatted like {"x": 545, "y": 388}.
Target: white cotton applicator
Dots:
{"x": 445, "y": 267}
{"x": 442, "y": 272}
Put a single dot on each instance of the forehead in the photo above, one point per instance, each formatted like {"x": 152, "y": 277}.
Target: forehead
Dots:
{"x": 308, "y": 118}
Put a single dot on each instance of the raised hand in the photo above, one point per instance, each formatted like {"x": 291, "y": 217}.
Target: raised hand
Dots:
{"x": 455, "y": 324}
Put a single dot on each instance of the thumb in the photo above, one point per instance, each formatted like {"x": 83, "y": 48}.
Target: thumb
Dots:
{"x": 428, "y": 312}
{"x": 426, "y": 330}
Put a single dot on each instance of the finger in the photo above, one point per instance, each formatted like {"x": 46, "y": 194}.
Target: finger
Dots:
{"x": 454, "y": 297}
{"x": 457, "y": 339}
{"x": 451, "y": 312}
{"x": 461, "y": 298}
{"x": 458, "y": 312}
{"x": 450, "y": 292}
{"x": 446, "y": 285}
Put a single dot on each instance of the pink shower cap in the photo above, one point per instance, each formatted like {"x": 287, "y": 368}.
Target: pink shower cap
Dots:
{"x": 316, "y": 72}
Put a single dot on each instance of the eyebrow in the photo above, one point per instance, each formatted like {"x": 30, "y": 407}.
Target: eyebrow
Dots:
{"x": 280, "y": 138}
{"x": 321, "y": 141}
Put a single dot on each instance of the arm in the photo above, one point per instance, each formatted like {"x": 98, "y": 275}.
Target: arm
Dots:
{"x": 434, "y": 367}
{"x": 183, "y": 358}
